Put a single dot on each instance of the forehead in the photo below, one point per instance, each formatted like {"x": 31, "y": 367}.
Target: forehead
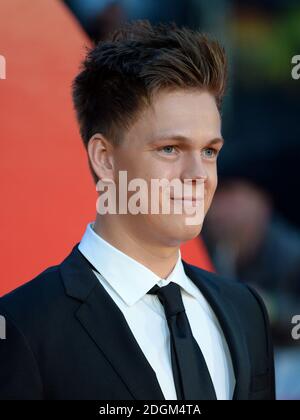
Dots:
{"x": 190, "y": 113}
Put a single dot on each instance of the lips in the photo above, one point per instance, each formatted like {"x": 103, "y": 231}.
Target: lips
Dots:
{"x": 193, "y": 199}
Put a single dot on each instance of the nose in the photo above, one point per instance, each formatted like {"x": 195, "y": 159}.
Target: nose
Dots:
{"x": 194, "y": 168}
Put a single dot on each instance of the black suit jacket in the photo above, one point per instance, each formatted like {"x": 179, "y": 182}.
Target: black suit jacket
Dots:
{"x": 67, "y": 339}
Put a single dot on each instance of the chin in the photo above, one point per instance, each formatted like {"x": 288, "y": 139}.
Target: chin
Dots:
{"x": 179, "y": 232}
{"x": 190, "y": 232}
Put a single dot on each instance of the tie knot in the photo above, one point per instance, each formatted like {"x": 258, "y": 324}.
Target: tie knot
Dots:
{"x": 170, "y": 297}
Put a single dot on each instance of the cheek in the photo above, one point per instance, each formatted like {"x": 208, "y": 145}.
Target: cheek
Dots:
{"x": 212, "y": 183}
{"x": 154, "y": 169}
{"x": 129, "y": 162}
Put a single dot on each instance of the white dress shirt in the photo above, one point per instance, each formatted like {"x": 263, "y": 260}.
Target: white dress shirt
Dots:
{"x": 128, "y": 281}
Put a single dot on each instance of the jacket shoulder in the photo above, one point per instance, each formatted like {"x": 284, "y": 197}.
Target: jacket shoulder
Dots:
{"x": 233, "y": 289}
{"x": 35, "y": 300}
{"x": 244, "y": 299}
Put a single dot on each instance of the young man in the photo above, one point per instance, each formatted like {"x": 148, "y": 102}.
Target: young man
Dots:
{"x": 123, "y": 317}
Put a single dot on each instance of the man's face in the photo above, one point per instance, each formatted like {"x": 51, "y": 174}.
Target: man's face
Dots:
{"x": 178, "y": 137}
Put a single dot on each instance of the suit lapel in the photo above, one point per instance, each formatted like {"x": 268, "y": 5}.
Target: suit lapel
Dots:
{"x": 229, "y": 320}
{"x": 107, "y": 327}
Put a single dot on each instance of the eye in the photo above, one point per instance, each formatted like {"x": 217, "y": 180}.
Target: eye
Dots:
{"x": 210, "y": 153}
{"x": 168, "y": 150}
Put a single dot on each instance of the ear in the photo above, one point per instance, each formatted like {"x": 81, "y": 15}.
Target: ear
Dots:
{"x": 101, "y": 157}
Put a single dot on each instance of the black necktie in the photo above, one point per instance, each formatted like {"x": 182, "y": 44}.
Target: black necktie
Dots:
{"x": 191, "y": 375}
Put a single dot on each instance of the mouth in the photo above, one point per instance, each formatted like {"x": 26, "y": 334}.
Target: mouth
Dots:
{"x": 188, "y": 199}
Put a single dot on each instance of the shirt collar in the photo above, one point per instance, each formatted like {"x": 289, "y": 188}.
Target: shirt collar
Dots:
{"x": 130, "y": 279}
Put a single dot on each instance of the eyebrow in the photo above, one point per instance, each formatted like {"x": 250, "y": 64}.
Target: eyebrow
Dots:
{"x": 184, "y": 139}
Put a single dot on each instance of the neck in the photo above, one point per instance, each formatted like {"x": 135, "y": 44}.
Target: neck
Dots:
{"x": 158, "y": 258}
